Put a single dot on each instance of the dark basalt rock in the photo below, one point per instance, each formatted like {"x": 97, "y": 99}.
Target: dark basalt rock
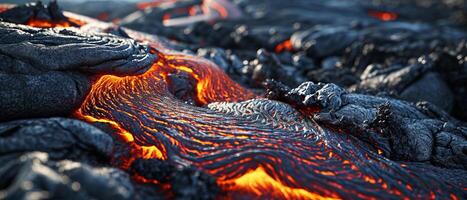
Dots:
{"x": 186, "y": 182}
{"x": 59, "y": 158}
{"x": 38, "y": 82}
{"x": 34, "y": 157}
{"x": 190, "y": 183}
{"x": 324, "y": 41}
{"x": 267, "y": 65}
{"x": 338, "y": 42}
{"x": 181, "y": 86}
{"x": 102, "y": 10}
{"x": 35, "y": 10}
{"x": 59, "y": 137}
{"x": 402, "y": 130}
{"x": 45, "y": 94}
{"x": 72, "y": 50}
{"x": 153, "y": 169}
{"x": 36, "y": 176}
{"x": 416, "y": 82}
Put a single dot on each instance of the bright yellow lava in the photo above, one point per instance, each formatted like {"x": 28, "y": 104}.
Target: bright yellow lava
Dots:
{"x": 263, "y": 185}
{"x": 145, "y": 152}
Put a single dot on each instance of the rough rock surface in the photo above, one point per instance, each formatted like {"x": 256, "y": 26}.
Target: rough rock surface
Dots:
{"x": 35, "y": 161}
{"x": 35, "y": 10}
{"x": 70, "y": 49}
{"x": 186, "y": 182}
{"x": 59, "y": 137}
{"x": 58, "y": 158}
{"x": 403, "y": 131}
{"x": 37, "y": 81}
{"x": 336, "y": 42}
{"x": 36, "y": 176}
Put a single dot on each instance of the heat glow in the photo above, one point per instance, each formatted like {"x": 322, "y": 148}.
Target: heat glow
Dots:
{"x": 383, "y": 16}
{"x": 40, "y": 23}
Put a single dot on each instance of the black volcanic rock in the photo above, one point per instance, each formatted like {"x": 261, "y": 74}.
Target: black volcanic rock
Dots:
{"x": 416, "y": 82}
{"x": 72, "y": 50}
{"x": 403, "y": 131}
{"x": 153, "y": 169}
{"x": 38, "y": 82}
{"x": 186, "y": 182}
{"x": 340, "y": 41}
{"x": 36, "y": 176}
{"x": 45, "y": 94}
{"x": 191, "y": 183}
{"x": 324, "y": 41}
{"x": 59, "y": 137}
{"x": 57, "y": 158}
{"x": 35, "y": 10}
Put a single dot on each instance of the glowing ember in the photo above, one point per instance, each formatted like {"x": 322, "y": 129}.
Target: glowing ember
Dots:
{"x": 4, "y": 7}
{"x": 37, "y": 21}
{"x": 383, "y": 16}
{"x": 284, "y": 46}
{"x": 153, "y": 3}
{"x": 46, "y": 24}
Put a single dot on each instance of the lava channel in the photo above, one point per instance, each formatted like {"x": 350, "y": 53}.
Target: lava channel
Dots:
{"x": 257, "y": 148}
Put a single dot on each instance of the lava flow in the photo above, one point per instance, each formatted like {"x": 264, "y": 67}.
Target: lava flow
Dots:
{"x": 186, "y": 111}
{"x": 47, "y": 24}
{"x": 250, "y": 152}
{"x": 255, "y": 148}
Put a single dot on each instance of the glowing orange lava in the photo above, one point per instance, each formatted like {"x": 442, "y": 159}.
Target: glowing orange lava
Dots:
{"x": 383, "y": 16}
{"x": 153, "y": 3}
{"x": 260, "y": 184}
{"x": 46, "y": 24}
{"x": 284, "y": 46}
{"x": 249, "y": 158}
{"x": 42, "y": 23}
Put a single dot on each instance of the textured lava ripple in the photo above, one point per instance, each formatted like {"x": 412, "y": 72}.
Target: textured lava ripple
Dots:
{"x": 249, "y": 146}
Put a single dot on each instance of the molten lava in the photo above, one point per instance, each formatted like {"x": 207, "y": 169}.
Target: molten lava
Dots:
{"x": 383, "y": 16}
{"x": 153, "y": 3}
{"x": 41, "y": 23}
{"x": 284, "y": 46}
{"x": 253, "y": 158}
{"x": 261, "y": 184}
{"x": 46, "y": 24}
